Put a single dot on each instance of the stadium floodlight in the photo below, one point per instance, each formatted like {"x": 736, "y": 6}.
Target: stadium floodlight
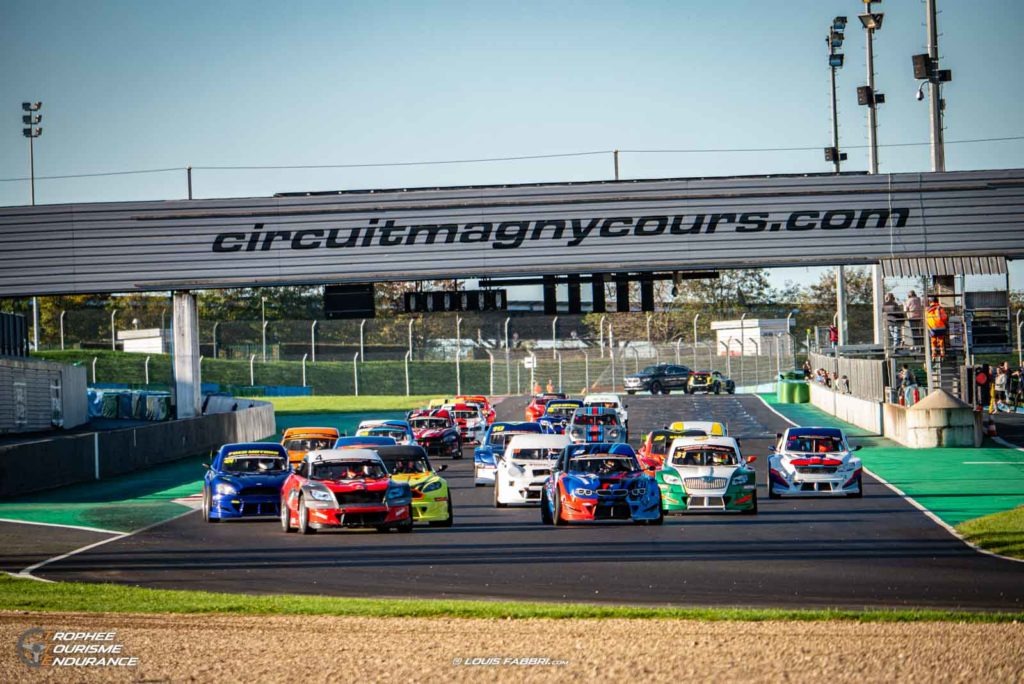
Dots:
{"x": 872, "y": 21}
{"x": 839, "y": 23}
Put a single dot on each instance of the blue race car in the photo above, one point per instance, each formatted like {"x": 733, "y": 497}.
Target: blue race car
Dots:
{"x": 600, "y": 482}
{"x": 596, "y": 424}
{"x": 245, "y": 481}
{"x": 557, "y": 415}
{"x": 492, "y": 445}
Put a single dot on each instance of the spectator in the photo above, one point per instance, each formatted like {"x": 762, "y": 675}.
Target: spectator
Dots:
{"x": 1001, "y": 384}
{"x": 938, "y": 323}
{"x": 913, "y": 309}
{"x": 906, "y": 377}
{"x": 833, "y": 335}
{"x": 894, "y": 318}
{"x": 843, "y": 385}
{"x": 982, "y": 383}
{"x": 807, "y": 369}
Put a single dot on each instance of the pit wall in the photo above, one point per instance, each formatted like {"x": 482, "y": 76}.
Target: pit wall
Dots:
{"x": 55, "y": 462}
{"x": 923, "y": 429}
{"x": 860, "y": 412}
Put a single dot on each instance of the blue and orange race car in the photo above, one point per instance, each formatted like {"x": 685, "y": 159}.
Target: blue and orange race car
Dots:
{"x": 245, "y": 481}
{"x": 600, "y": 482}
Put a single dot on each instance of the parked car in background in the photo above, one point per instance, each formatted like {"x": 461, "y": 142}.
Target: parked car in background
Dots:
{"x": 659, "y": 379}
{"x": 709, "y": 382}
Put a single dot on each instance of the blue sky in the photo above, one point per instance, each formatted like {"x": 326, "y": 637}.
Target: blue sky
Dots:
{"x": 147, "y": 85}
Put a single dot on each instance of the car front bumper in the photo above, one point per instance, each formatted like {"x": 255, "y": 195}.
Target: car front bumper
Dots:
{"x": 226, "y": 507}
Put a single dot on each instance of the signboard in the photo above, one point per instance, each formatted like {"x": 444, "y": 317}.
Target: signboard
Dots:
{"x": 600, "y": 227}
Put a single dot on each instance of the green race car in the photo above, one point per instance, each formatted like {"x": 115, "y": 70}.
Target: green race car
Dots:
{"x": 707, "y": 474}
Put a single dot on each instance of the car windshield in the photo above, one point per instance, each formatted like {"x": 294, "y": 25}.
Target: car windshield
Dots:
{"x": 650, "y": 370}
{"x": 465, "y": 414}
{"x": 604, "y": 404}
{"x": 308, "y": 443}
{"x": 429, "y": 423}
{"x": 394, "y": 433}
{"x": 406, "y": 465}
{"x": 536, "y": 454}
{"x": 501, "y": 438}
{"x": 604, "y": 419}
{"x": 816, "y": 444}
{"x": 659, "y": 443}
{"x": 603, "y": 464}
{"x": 347, "y": 470}
{"x": 254, "y": 464}
{"x": 705, "y": 456}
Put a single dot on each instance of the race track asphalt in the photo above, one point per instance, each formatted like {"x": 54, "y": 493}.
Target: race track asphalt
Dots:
{"x": 878, "y": 551}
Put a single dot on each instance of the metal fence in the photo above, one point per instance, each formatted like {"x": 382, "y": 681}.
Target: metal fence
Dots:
{"x": 864, "y": 378}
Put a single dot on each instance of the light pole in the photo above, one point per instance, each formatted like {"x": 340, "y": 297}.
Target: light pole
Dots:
{"x": 304, "y": 357}
{"x": 926, "y": 69}
{"x": 490, "y": 358}
{"x": 649, "y": 329}
{"x": 35, "y": 323}
{"x": 611, "y": 352}
{"x": 408, "y": 355}
{"x": 458, "y": 354}
{"x": 554, "y": 337}
{"x": 355, "y": 373}
{"x": 508, "y": 359}
{"x": 312, "y": 341}
{"x": 743, "y": 344}
{"x": 586, "y": 367}
{"x": 601, "y": 334}
{"x": 411, "y": 321}
{"x": 696, "y": 316}
{"x": 252, "y": 370}
{"x": 215, "y": 324}
{"x": 834, "y": 41}
{"x": 62, "y": 329}
{"x": 866, "y": 95}
{"x": 32, "y": 131}
{"x": 362, "y": 330}
{"x": 113, "y": 334}
{"x": 263, "y": 319}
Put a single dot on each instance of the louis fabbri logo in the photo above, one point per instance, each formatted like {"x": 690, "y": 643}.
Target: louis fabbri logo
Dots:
{"x": 568, "y": 232}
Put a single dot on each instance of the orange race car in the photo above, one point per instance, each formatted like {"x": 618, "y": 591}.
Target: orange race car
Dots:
{"x": 300, "y": 440}
{"x": 656, "y": 443}
{"x": 539, "y": 404}
{"x": 484, "y": 402}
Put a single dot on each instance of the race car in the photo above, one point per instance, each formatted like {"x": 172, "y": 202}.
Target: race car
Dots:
{"x": 707, "y": 474}
{"x": 431, "y": 498}
{"x": 814, "y": 461}
{"x": 367, "y": 441}
{"x": 300, "y": 440}
{"x": 708, "y": 382}
{"x": 470, "y": 421}
{"x": 492, "y": 446}
{"x": 596, "y": 424}
{"x": 344, "y": 488}
{"x": 483, "y": 402}
{"x": 698, "y": 428}
{"x": 655, "y": 446}
{"x": 398, "y": 430}
{"x": 557, "y": 415}
{"x": 524, "y": 467}
{"x": 535, "y": 409}
{"x": 244, "y": 481}
{"x": 436, "y": 432}
{"x": 611, "y": 401}
{"x": 600, "y": 482}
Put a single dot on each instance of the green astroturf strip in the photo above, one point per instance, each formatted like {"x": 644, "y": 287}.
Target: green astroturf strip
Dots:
{"x": 954, "y": 484}
{"x": 25, "y": 594}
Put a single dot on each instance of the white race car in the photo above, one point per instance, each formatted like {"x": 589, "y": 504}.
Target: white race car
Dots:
{"x": 523, "y": 468}
{"x": 609, "y": 401}
{"x": 814, "y": 461}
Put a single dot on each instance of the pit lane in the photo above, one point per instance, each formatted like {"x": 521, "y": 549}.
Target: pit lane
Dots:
{"x": 876, "y": 551}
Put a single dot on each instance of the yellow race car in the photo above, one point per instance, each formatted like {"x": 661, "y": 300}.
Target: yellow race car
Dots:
{"x": 431, "y": 499}
{"x": 699, "y": 428}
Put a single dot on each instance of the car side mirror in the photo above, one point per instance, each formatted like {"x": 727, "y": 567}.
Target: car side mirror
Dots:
{"x": 751, "y": 459}
{"x": 442, "y": 468}
{"x": 778, "y": 435}
{"x": 207, "y": 466}
{"x": 771, "y": 449}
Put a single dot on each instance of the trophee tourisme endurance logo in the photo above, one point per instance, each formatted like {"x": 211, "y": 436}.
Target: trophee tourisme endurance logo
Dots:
{"x": 72, "y": 649}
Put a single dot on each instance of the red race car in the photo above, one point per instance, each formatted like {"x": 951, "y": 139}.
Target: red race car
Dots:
{"x": 344, "y": 488}
{"x": 484, "y": 403}
{"x": 436, "y": 431}
{"x": 539, "y": 404}
{"x": 652, "y": 451}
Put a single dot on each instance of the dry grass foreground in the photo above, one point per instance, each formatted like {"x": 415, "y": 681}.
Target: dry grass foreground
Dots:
{"x": 207, "y": 648}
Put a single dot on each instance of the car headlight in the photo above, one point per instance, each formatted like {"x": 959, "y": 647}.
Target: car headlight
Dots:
{"x": 613, "y": 432}
{"x": 637, "y": 492}
{"x": 515, "y": 471}
{"x": 431, "y": 486}
{"x": 671, "y": 479}
{"x": 739, "y": 479}
{"x": 225, "y": 489}
{"x": 581, "y": 491}
{"x": 321, "y": 495}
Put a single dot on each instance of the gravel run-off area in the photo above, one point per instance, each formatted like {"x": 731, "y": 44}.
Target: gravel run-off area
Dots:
{"x": 207, "y": 648}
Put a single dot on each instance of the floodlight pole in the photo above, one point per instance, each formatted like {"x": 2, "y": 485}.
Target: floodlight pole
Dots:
{"x": 869, "y": 34}
{"x": 508, "y": 359}
{"x": 835, "y": 110}
{"x": 935, "y": 91}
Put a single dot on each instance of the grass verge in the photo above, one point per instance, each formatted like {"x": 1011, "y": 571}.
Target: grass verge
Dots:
{"x": 347, "y": 404}
{"x": 1001, "y": 533}
{"x": 25, "y": 594}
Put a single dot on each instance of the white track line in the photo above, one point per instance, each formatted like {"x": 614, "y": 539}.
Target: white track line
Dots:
{"x": 100, "y": 530}
{"x": 27, "y": 572}
{"x": 931, "y": 516}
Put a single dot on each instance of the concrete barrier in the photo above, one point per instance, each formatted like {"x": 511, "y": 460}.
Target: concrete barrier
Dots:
{"x": 938, "y": 420}
{"x": 861, "y": 412}
{"x": 33, "y": 466}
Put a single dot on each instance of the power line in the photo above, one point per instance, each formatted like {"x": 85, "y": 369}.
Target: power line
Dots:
{"x": 484, "y": 160}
